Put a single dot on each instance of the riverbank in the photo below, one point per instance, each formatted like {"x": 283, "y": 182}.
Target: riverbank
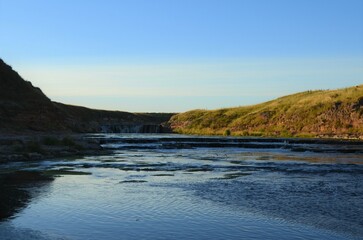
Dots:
{"x": 40, "y": 146}
{"x": 33, "y": 147}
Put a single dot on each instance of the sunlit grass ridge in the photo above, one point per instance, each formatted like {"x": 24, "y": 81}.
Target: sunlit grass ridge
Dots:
{"x": 328, "y": 113}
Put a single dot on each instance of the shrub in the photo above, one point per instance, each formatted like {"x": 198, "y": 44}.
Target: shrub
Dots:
{"x": 50, "y": 141}
{"x": 227, "y": 132}
{"x": 34, "y": 147}
{"x": 67, "y": 141}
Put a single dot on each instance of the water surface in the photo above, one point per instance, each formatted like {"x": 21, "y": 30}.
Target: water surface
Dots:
{"x": 181, "y": 187}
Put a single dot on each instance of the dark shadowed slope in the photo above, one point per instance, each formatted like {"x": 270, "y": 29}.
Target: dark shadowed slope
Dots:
{"x": 24, "y": 107}
{"x": 329, "y": 113}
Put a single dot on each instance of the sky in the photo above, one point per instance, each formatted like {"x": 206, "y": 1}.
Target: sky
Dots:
{"x": 178, "y": 55}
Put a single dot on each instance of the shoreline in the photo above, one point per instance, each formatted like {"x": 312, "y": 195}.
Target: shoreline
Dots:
{"x": 348, "y": 137}
{"x": 40, "y": 146}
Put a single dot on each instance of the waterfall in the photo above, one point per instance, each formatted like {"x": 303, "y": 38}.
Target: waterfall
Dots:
{"x": 133, "y": 128}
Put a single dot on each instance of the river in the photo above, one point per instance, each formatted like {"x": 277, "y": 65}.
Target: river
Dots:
{"x": 187, "y": 187}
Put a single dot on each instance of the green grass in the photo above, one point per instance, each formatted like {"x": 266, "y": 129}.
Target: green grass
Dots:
{"x": 306, "y": 114}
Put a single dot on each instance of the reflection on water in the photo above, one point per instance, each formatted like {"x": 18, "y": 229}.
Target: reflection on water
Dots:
{"x": 18, "y": 188}
{"x": 178, "y": 187}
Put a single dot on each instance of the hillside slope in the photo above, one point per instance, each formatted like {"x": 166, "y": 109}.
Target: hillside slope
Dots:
{"x": 324, "y": 113}
{"x": 24, "y": 107}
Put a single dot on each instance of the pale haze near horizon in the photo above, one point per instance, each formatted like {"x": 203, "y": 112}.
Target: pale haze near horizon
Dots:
{"x": 172, "y": 56}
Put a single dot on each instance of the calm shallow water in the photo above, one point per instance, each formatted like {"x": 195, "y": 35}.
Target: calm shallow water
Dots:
{"x": 179, "y": 187}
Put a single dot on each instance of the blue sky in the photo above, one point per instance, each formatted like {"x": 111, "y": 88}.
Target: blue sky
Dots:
{"x": 177, "y": 55}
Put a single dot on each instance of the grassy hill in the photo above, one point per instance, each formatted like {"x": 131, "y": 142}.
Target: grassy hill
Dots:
{"x": 24, "y": 107}
{"x": 323, "y": 113}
